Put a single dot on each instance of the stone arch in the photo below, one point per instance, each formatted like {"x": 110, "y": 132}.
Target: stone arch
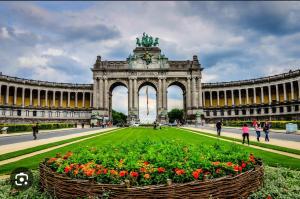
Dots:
{"x": 147, "y": 82}
{"x": 183, "y": 86}
{"x": 112, "y": 86}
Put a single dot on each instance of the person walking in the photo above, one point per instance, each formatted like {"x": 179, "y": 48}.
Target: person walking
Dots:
{"x": 245, "y": 131}
{"x": 34, "y": 127}
{"x": 257, "y": 130}
{"x": 219, "y": 127}
{"x": 266, "y": 129}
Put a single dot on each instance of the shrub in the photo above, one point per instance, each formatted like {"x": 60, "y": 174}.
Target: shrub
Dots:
{"x": 153, "y": 162}
{"x": 42, "y": 126}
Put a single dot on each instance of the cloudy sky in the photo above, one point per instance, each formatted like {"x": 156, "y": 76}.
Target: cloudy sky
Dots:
{"x": 59, "y": 41}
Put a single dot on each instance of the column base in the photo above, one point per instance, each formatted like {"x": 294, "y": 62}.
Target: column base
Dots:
{"x": 162, "y": 116}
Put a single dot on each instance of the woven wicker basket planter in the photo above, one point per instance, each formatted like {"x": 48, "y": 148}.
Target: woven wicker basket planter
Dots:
{"x": 239, "y": 186}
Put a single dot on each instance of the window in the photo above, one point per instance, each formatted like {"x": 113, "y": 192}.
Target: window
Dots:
{"x": 251, "y": 111}
{"x": 229, "y": 112}
{"x": 297, "y": 108}
{"x": 19, "y": 112}
{"x": 215, "y": 113}
{"x": 236, "y": 112}
{"x": 266, "y": 110}
{"x": 289, "y": 109}
{"x": 244, "y": 112}
{"x": 222, "y": 113}
{"x": 258, "y": 111}
{"x": 274, "y": 110}
{"x": 34, "y": 113}
{"x": 281, "y": 109}
{"x": 207, "y": 113}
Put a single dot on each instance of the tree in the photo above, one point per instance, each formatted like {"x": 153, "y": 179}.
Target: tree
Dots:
{"x": 118, "y": 117}
{"x": 175, "y": 114}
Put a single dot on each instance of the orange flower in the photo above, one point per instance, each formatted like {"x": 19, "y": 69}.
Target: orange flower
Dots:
{"x": 89, "y": 172}
{"x": 143, "y": 170}
{"x": 98, "y": 172}
{"x": 229, "y": 164}
{"x": 113, "y": 172}
{"x": 75, "y": 172}
{"x": 180, "y": 172}
{"x": 146, "y": 176}
{"x": 134, "y": 174}
{"x": 123, "y": 173}
{"x": 236, "y": 168}
{"x": 216, "y": 163}
{"x": 218, "y": 170}
{"x": 196, "y": 175}
{"x": 104, "y": 171}
{"x": 67, "y": 169}
{"x": 199, "y": 170}
{"x": 146, "y": 163}
{"x": 161, "y": 169}
{"x": 67, "y": 155}
{"x": 51, "y": 160}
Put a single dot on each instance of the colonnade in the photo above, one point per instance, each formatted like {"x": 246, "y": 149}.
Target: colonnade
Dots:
{"x": 49, "y": 95}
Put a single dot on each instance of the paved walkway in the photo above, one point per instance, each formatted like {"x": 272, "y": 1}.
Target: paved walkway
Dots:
{"x": 59, "y": 146}
{"x": 25, "y": 141}
{"x": 193, "y": 129}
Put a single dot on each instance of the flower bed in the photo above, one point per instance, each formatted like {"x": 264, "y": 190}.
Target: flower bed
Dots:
{"x": 141, "y": 169}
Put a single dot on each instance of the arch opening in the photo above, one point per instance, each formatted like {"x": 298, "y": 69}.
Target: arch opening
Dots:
{"x": 118, "y": 103}
{"x": 147, "y": 106}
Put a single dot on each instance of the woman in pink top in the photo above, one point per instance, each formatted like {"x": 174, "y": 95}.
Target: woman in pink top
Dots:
{"x": 245, "y": 131}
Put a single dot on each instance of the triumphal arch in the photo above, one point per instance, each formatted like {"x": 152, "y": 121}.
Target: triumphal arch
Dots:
{"x": 147, "y": 66}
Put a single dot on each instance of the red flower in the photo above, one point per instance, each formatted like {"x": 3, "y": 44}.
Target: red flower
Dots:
{"x": 67, "y": 169}
{"x": 161, "y": 169}
{"x": 240, "y": 169}
{"x": 199, "y": 170}
{"x": 113, "y": 172}
{"x": 236, "y": 168}
{"x": 196, "y": 175}
{"x": 180, "y": 172}
{"x": 146, "y": 163}
{"x": 75, "y": 172}
{"x": 269, "y": 197}
{"x": 104, "y": 171}
{"x": 218, "y": 170}
{"x": 146, "y": 176}
{"x": 89, "y": 172}
{"x": 244, "y": 164}
{"x": 123, "y": 173}
{"x": 134, "y": 174}
{"x": 51, "y": 160}
{"x": 216, "y": 163}
{"x": 99, "y": 172}
{"x": 67, "y": 155}
{"x": 229, "y": 164}
{"x": 143, "y": 170}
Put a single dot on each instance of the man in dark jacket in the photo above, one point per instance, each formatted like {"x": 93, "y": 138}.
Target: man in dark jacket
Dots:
{"x": 219, "y": 126}
{"x": 34, "y": 127}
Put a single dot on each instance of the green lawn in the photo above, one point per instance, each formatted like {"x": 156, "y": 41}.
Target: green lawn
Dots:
{"x": 133, "y": 134}
{"x": 44, "y": 146}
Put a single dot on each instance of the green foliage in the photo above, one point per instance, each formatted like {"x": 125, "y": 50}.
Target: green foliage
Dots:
{"x": 153, "y": 162}
{"x": 175, "y": 114}
{"x": 274, "y": 124}
{"x": 119, "y": 117}
{"x": 12, "y": 128}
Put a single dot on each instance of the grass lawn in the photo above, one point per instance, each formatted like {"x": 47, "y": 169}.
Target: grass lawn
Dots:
{"x": 133, "y": 134}
{"x": 41, "y": 147}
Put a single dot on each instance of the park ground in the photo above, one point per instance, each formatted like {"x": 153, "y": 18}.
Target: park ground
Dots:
{"x": 282, "y": 161}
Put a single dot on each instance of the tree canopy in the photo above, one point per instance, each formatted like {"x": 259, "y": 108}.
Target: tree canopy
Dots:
{"x": 175, "y": 114}
{"x": 118, "y": 117}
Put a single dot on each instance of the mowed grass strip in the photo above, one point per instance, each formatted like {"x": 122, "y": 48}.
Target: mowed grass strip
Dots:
{"x": 45, "y": 146}
{"x": 133, "y": 134}
{"x": 255, "y": 143}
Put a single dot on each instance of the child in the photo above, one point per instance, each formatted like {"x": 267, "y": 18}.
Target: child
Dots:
{"x": 258, "y": 130}
{"x": 245, "y": 131}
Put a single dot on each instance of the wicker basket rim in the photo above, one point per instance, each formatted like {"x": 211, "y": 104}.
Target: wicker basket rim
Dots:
{"x": 257, "y": 167}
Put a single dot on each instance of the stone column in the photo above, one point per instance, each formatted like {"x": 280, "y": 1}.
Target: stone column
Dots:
{"x": 218, "y": 98}
{"x": 270, "y": 94}
{"x": 53, "y": 98}
{"x": 130, "y": 94}
{"x": 23, "y": 97}
{"x": 61, "y": 98}
{"x": 247, "y": 96}
{"x": 30, "y": 97}
{"x": 165, "y": 95}
{"x": 83, "y": 99}
{"x": 91, "y": 97}
{"x": 95, "y": 94}
{"x": 262, "y": 95}
{"x": 284, "y": 92}
{"x": 254, "y": 95}
{"x": 200, "y": 93}
{"x": 69, "y": 96}
{"x": 135, "y": 91}
{"x": 159, "y": 94}
{"x": 100, "y": 94}
{"x": 232, "y": 97}
{"x": 277, "y": 93}
{"x": 194, "y": 99}
{"x": 210, "y": 98}
{"x": 105, "y": 94}
{"x": 15, "y": 96}
{"x": 7, "y": 94}
{"x": 225, "y": 98}
{"x": 240, "y": 97}
{"x": 39, "y": 97}
{"x": 46, "y": 98}
{"x": 299, "y": 89}
{"x": 188, "y": 93}
{"x": 76, "y": 99}
{"x": 292, "y": 91}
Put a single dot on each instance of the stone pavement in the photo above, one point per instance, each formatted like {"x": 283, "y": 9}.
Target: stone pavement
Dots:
{"x": 33, "y": 143}
{"x": 96, "y": 132}
{"x": 287, "y": 144}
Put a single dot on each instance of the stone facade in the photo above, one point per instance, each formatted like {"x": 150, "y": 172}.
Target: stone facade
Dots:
{"x": 274, "y": 97}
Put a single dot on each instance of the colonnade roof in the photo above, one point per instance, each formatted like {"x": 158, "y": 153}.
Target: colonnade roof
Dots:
{"x": 273, "y": 78}
{"x": 25, "y": 81}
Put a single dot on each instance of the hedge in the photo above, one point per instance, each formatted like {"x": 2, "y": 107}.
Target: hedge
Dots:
{"x": 274, "y": 124}
{"x": 28, "y": 127}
